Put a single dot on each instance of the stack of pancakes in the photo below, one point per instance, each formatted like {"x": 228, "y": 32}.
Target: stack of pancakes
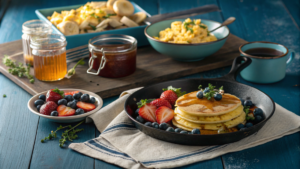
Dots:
{"x": 192, "y": 112}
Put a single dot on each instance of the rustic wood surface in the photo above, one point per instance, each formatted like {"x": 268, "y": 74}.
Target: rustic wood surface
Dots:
{"x": 257, "y": 20}
{"x": 152, "y": 67}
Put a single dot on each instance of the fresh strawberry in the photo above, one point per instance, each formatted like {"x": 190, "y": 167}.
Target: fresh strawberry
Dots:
{"x": 86, "y": 106}
{"x": 147, "y": 112}
{"x": 65, "y": 111}
{"x": 164, "y": 114}
{"x": 47, "y": 108}
{"x": 54, "y": 95}
{"x": 161, "y": 102}
{"x": 71, "y": 93}
{"x": 171, "y": 94}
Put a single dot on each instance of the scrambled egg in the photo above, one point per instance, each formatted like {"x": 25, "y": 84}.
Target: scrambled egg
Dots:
{"x": 187, "y": 32}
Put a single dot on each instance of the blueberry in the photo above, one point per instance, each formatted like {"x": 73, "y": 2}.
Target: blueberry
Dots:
{"x": 38, "y": 102}
{"x": 54, "y": 113}
{"x": 247, "y": 125}
{"x": 80, "y": 93}
{"x": 76, "y": 96}
{"x": 247, "y": 103}
{"x": 163, "y": 126}
{"x": 79, "y": 111}
{"x": 170, "y": 129}
{"x": 38, "y": 107}
{"x": 72, "y": 104}
{"x": 62, "y": 102}
{"x": 149, "y": 124}
{"x": 42, "y": 97}
{"x": 196, "y": 131}
{"x": 92, "y": 100}
{"x": 140, "y": 119}
{"x": 239, "y": 126}
{"x": 242, "y": 100}
{"x": 184, "y": 132}
{"x": 69, "y": 98}
{"x": 85, "y": 98}
{"x": 258, "y": 111}
{"x": 242, "y": 129}
{"x": 136, "y": 113}
{"x": 200, "y": 95}
{"x": 75, "y": 101}
{"x": 178, "y": 130}
{"x": 206, "y": 90}
{"x": 258, "y": 119}
{"x": 218, "y": 96}
{"x": 155, "y": 125}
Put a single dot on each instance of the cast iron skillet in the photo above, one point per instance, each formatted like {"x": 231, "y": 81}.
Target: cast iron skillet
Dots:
{"x": 259, "y": 98}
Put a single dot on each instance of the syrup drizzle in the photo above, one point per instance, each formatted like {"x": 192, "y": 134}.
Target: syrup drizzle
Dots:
{"x": 208, "y": 104}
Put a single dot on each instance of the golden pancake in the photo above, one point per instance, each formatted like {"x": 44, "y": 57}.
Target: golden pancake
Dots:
{"x": 210, "y": 119}
{"x": 190, "y": 104}
{"x": 212, "y": 126}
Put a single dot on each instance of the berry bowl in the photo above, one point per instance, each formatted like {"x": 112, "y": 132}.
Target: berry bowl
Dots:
{"x": 66, "y": 119}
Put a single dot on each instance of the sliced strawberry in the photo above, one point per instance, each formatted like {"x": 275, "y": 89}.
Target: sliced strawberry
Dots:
{"x": 71, "y": 93}
{"x": 65, "y": 111}
{"x": 164, "y": 114}
{"x": 54, "y": 95}
{"x": 86, "y": 106}
{"x": 48, "y": 107}
{"x": 161, "y": 102}
{"x": 147, "y": 112}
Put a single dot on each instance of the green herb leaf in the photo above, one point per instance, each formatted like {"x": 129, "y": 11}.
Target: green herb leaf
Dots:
{"x": 108, "y": 15}
{"x": 95, "y": 16}
{"x": 200, "y": 87}
{"x": 71, "y": 72}
{"x": 142, "y": 102}
{"x": 202, "y": 26}
{"x": 59, "y": 92}
{"x": 176, "y": 90}
{"x": 93, "y": 27}
{"x": 4, "y": 95}
{"x": 221, "y": 88}
{"x": 208, "y": 33}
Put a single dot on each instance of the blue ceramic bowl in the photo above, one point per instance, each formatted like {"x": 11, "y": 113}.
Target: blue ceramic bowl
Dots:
{"x": 83, "y": 39}
{"x": 187, "y": 52}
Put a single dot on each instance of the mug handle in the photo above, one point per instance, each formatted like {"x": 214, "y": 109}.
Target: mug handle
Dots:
{"x": 91, "y": 62}
{"x": 292, "y": 56}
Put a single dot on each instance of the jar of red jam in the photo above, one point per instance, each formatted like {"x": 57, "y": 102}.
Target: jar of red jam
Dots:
{"x": 112, "y": 55}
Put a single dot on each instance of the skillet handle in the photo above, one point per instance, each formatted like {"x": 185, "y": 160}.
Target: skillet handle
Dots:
{"x": 239, "y": 63}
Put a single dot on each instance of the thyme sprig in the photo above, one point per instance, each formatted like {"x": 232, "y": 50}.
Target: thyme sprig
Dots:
{"x": 211, "y": 91}
{"x": 247, "y": 111}
{"x": 17, "y": 69}
{"x": 71, "y": 72}
{"x": 67, "y": 135}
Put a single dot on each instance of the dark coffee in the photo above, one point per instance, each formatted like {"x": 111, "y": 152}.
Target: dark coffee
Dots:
{"x": 264, "y": 52}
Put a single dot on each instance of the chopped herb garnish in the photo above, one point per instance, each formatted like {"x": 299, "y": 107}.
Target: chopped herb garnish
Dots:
{"x": 203, "y": 26}
{"x": 208, "y": 33}
{"x": 4, "y": 95}
{"x": 247, "y": 111}
{"x": 186, "y": 25}
{"x": 93, "y": 27}
{"x": 108, "y": 15}
{"x": 211, "y": 91}
{"x": 95, "y": 16}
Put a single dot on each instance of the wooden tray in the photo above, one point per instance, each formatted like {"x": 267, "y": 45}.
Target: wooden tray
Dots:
{"x": 152, "y": 67}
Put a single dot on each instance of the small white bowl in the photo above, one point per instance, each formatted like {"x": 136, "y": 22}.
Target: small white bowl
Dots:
{"x": 66, "y": 119}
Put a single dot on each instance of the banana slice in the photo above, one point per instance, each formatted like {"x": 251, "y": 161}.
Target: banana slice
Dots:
{"x": 99, "y": 4}
{"x": 138, "y": 17}
{"x": 110, "y": 4}
{"x": 128, "y": 22}
{"x": 116, "y": 17}
{"x": 123, "y": 8}
{"x": 68, "y": 28}
{"x": 108, "y": 11}
{"x": 114, "y": 23}
{"x": 103, "y": 24}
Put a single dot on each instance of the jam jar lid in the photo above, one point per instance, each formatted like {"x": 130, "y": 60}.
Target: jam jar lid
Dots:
{"x": 120, "y": 43}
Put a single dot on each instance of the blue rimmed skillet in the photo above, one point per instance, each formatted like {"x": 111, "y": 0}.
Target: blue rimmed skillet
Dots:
{"x": 231, "y": 86}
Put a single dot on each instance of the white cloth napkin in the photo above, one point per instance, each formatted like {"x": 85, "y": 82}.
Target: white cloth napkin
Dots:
{"x": 122, "y": 144}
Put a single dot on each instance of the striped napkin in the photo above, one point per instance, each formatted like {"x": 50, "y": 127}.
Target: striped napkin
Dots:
{"x": 120, "y": 143}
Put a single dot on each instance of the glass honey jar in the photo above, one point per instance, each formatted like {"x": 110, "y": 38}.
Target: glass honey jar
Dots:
{"x": 49, "y": 57}
{"x": 112, "y": 55}
{"x": 31, "y": 30}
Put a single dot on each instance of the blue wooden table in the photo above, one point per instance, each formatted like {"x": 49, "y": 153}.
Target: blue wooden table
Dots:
{"x": 257, "y": 20}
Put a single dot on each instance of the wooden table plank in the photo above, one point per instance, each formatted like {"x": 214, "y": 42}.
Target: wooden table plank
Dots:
{"x": 293, "y": 8}
{"x": 268, "y": 21}
{"x": 17, "y": 126}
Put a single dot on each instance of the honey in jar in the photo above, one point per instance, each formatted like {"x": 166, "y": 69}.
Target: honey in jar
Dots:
{"x": 113, "y": 56}
{"x": 49, "y": 57}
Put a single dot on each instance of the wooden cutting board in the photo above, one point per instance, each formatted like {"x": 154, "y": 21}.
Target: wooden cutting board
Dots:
{"x": 152, "y": 67}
